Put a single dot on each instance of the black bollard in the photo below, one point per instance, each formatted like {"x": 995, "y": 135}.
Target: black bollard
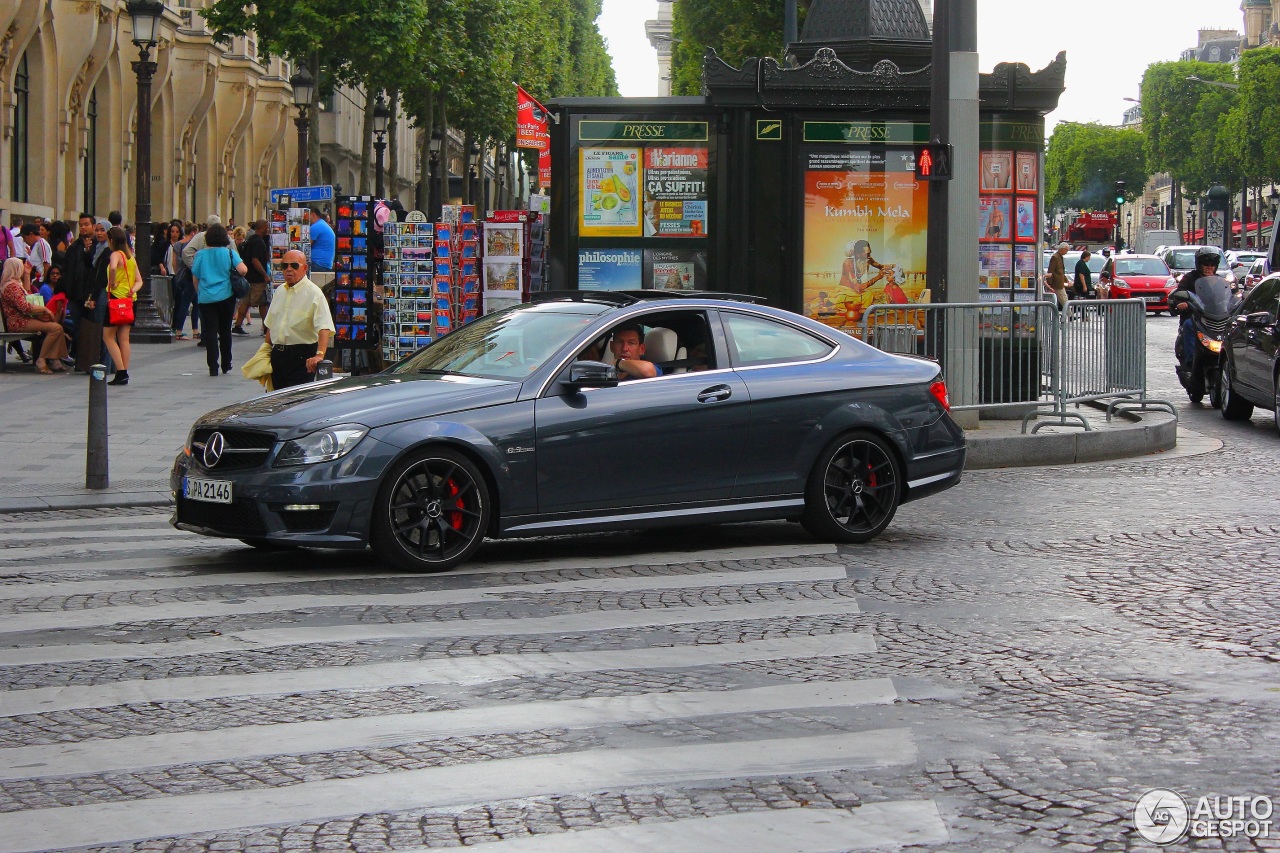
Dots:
{"x": 95, "y": 455}
{"x": 324, "y": 370}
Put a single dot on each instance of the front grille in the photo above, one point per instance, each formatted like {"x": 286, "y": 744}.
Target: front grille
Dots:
{"x": 243, "y": 449}
{"x": 1214, "y": 327}
{"x": 240, "y": 518}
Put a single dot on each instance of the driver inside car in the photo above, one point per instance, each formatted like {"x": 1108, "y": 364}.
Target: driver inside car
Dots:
{"x": 627, "y": 347}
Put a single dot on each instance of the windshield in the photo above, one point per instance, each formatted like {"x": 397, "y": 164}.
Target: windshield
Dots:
{"x": 1185, "y": 260}
{"x": 1141, "y": 266}
{"x": 509, "y": 345}
{"x": 1094, "y": 263}
{"x": 1215, "y": 295}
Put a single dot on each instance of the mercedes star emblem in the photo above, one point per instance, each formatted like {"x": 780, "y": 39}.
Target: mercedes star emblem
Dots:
{"x": 213, "y": 449}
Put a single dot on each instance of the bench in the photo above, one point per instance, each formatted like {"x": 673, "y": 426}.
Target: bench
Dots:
{"x": 7, "y": 337}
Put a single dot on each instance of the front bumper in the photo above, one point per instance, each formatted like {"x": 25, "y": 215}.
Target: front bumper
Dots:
{"x": 325, "y": 505}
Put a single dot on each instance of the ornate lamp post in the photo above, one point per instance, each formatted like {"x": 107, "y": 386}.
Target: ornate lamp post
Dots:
{"x": 434, "y": 202}
{"x": 473, "y": 174}
{"x": 304, "y": 88}
{"x": 149, "y": 326}
{"x": 1191, "y": 219}
{"x": 381, "y": 120}
{"x": 1128, "y": 240}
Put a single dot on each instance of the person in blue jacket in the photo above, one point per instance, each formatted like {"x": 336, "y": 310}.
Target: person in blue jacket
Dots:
{"x": 322, "y": 243}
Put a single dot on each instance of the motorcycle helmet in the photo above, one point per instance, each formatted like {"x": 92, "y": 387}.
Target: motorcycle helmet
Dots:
{"x": 1205, "y": 255}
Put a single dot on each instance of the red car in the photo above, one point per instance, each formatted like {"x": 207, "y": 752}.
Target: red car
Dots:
{"x": 1143, "y": 277}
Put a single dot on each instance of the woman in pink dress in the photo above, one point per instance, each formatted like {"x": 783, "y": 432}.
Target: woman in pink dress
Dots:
{"x": 21, "y": 315}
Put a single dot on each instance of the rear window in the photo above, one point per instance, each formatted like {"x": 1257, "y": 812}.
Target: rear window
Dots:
{"x": 756, "y": 340}
{"x": 1183, "y": 260}
{"x": 1140, "y": 266}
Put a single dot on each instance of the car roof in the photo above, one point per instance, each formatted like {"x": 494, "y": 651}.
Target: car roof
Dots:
{"x": 621, "y": 298}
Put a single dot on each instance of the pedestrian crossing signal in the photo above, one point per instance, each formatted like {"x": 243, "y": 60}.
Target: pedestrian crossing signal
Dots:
{"x": 933, "y": 162}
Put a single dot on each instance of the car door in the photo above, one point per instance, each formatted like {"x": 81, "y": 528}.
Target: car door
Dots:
{"x": 1253, "y": 347}
{"x": 672, "y": 439}
{"x": 788, "y": 399}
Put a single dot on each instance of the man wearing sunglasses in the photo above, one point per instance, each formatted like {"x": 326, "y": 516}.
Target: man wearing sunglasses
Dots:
{"x": 299, "y": 325}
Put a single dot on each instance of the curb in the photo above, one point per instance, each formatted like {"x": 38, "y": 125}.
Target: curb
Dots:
{"x": 1153, "y": 432}
{"x": 88, "y": 500}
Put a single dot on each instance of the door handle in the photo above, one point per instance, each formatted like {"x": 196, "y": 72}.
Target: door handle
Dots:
{"x": 715, "y": 394}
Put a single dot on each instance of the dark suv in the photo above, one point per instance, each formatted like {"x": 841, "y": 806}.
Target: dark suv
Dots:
{"x": 1250, "y": 372}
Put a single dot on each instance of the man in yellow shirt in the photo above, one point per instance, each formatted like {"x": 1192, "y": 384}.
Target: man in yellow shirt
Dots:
{"x": 299, "y": 325}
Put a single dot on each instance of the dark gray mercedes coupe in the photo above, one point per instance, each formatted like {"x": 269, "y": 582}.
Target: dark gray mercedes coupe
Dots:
{"x": 515, "y": 425}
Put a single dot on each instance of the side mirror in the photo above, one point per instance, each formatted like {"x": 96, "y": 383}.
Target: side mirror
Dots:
{"x": 1257, "y": 320}
{"x": 592, "y": 374}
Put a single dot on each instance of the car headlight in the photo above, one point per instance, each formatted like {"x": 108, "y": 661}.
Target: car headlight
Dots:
{"x": 323, "y": 445}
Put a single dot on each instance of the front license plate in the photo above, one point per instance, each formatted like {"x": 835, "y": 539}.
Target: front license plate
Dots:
{"x": 211, "y": 491}
{"x": 1152, "y": 298}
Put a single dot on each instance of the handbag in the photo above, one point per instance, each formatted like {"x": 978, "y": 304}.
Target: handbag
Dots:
{"x": 120, "y": 312}
{"x": 239, "y": 284}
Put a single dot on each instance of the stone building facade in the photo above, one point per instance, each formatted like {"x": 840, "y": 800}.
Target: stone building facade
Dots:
{"x": 223, "y": 131}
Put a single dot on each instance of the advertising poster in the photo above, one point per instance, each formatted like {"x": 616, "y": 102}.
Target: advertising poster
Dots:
{"x": 1214, "y": 228}
{"x": 995, "y": 262}
{"x": 610, "y": 192}
{"x": 1028, "y": 172}
{"x": 993, "y": 219}
{"x": 1025, "y": 227}
{"x": 675, "y": 192}
{"x": 996, "y": 174}
{"x": 675, "y": 269}
{"x": 865, "y": 233}
{"x": 1026, "y": 267}
{"x": 610, "y": 269}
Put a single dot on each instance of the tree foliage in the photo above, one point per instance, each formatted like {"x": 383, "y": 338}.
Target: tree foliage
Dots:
{"x": 1186, "y": 123}
{"x": 1252, "y": 128}
{"x": 737, "y": 29}
{"x": 1084, "y": 161}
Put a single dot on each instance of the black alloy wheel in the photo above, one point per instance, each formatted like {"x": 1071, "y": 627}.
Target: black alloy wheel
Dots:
{"x": 1234, "y": 407}
{"x": 854, "y": 489}
{"x": 431, "y": 513}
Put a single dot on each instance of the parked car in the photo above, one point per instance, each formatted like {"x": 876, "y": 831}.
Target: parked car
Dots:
{"x": 1143, "y": 277}
{"x": 511, "y": 426}
{"x": 1257, "y": 272}
{"x": 1251, "y": 369}
{"x": 1182, "y": 260}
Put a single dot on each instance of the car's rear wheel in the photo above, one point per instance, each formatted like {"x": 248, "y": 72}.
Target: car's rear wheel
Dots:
{"x": 1234, "y": 407}
{"x": 432, "y": 512}
{"x": 853, "y": 490}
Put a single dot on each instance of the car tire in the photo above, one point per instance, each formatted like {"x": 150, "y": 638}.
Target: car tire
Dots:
{"x": 431, "y": 512}
{"x": 1234, "y": 407}
{"x": 854, "y": 489}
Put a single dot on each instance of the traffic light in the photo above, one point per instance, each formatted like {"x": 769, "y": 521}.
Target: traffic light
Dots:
{"x": 1119, "y": 192}
{"x": 933, "y": 162}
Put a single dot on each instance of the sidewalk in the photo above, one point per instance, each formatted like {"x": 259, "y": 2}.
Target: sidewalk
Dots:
{"x": 43, "y": 420}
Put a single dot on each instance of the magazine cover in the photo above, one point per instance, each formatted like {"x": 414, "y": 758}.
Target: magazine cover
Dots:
{"x": 994, "y": 219}
{"x": 1028, "y": 171}
{"x": 996, "y": 174}
{"x": 675, "y": 269}
{"x": 610, "y": 269}
{"x": 610, "y": 191}
{"x": 675, "y": 192}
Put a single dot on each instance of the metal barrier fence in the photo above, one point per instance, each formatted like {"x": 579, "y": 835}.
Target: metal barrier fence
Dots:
{"x": 1028, "y": 356}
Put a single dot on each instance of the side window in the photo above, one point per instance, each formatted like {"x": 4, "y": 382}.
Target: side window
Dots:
{"x": 758, "y": 340}
{"x": 1263, "y": 298}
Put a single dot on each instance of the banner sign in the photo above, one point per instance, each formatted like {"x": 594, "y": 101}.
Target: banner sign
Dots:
{"x": 531, "y": 123}
{"x": 544, "y": 169}
{"x": 300, "y": 194}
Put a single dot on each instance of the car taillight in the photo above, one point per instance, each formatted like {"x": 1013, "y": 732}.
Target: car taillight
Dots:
{"x": 939, "y": 391}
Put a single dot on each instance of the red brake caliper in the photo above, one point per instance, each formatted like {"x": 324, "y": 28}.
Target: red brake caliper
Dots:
{"x": 455, "y": 518}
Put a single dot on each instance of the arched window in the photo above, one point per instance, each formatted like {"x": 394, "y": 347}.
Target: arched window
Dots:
{"x": 91, "y": 154}
{"x": 18, "y": 157}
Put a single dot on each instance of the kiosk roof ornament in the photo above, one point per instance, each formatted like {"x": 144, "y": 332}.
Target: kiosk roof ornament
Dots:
{"x": 862, "y": 32}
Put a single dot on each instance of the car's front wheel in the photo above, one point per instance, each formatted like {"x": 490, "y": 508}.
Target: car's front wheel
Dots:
{"x": 1234, "y": 407}
{"x": 432, "y": 511}
{"x": 853, "y": 490}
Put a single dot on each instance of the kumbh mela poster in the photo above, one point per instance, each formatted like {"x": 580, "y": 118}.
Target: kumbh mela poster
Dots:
{"x": 866, "y": 221}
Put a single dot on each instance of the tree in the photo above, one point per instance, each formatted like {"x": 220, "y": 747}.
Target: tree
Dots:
{"x": 736, "y": 29}
{"x": 1253, "y": 126}
{"x": 1084, "y": 161}
{"x": 1181, "y": 120}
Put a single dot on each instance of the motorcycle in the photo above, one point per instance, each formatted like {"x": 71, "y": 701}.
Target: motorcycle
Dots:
{"x": 1208, "y": 307}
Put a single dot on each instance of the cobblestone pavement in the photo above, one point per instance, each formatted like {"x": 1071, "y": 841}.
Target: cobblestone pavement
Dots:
{"x": 1008, "y": 669}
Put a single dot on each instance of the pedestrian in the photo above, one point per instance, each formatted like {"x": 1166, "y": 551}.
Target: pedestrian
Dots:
{"x": 184, "y": 289}
{"x": 211, "y": 271}
{"x": 114, "y": 219}
{"x": 21, "y": 315}
{"x": 125, "y": 282}
{"x": 323, "y": 243}
{"x": 299, "y": 325}
{"x": 8, "y": 245}
{"x": 38, "y": 252}
{"x": 1056, "y": 278}
{"x": 1082, "y": 284}
{"x": 257, "y": 256}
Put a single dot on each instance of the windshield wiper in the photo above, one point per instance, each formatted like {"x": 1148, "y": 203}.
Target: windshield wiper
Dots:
{"x": 435, "y": 371}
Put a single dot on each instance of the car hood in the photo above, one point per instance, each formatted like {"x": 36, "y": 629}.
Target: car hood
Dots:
{"x": 369, "y": 400}
{"x": 1145, "y": 280}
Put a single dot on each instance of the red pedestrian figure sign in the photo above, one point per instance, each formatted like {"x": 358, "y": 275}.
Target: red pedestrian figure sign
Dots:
{"x": 933, "y": 162}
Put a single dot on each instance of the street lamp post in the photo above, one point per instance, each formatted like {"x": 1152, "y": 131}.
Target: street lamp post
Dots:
{"x": 1191, "y": 219}
{"x": 149, "y": 326}
{"x": 477, "y": 166}
{"x": 434, "y": 202}
{"x": 303, "y": 90}
{"x": 1128, "y": 218}
{"x": 381, "y": 119}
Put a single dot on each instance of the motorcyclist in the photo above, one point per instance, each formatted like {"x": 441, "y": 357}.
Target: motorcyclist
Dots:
{"x": 1207, "y": 260}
